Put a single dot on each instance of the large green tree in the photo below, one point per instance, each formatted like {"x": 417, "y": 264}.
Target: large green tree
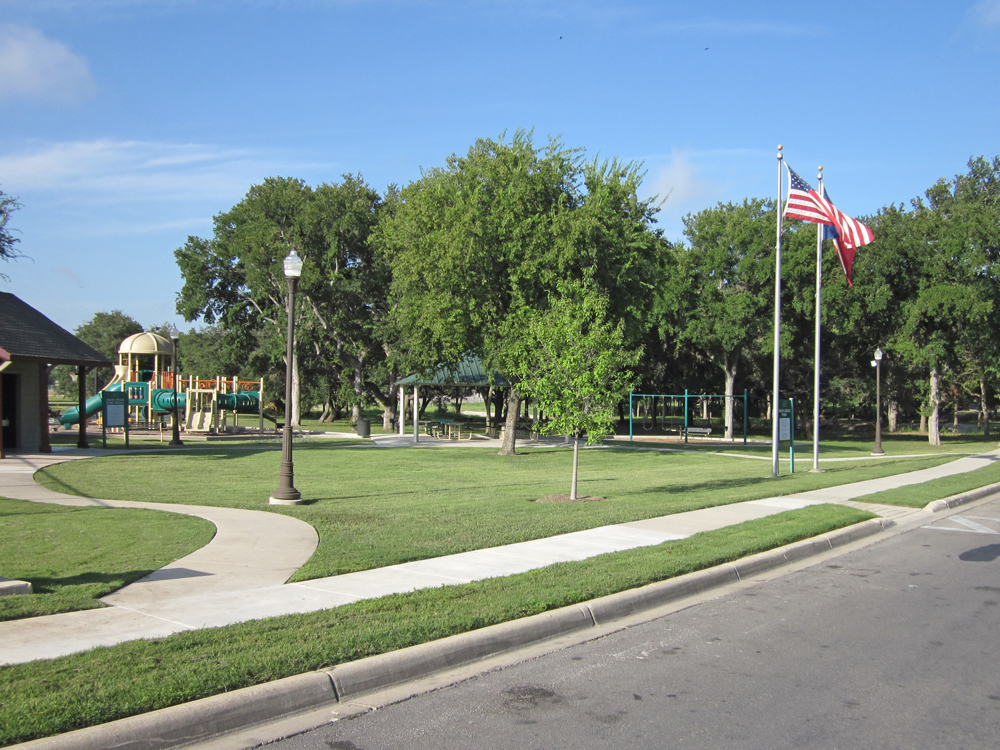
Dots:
{"x": 727, "y": 285}
{"x": 105, "y": 333}
{"x": 236, "y": 279}
{"x": 490, "y": 234}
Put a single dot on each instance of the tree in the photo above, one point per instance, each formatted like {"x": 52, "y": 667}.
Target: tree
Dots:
{"x": 488, "y": 236}
{"x": 8, "y": 251}
{"x": 729, "y": 280}
{"x": 572, "y": 359}
{"x": 952, "y": 312}
{"x": 236, "y": 279}
{"x": 105, "y": 333}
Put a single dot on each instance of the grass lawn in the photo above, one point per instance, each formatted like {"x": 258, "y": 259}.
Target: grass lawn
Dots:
{"x": 53, "y": 696}
{"x": 917, "y": 496}
{"x": 72, "y": 556}
{"x": 374, "y": 507}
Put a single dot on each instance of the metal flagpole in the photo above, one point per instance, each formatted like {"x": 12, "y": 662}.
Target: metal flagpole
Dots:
{"x": 777, "y": 332}
{"x": 819, "y": 307}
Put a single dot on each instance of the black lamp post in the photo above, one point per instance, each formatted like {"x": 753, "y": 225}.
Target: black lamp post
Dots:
{"x": 877, "y": 362}
{"x": 286, "y": 494}
{"x": 175, "y": 338}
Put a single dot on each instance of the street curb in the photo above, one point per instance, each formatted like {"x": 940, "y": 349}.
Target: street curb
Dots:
{"x": 210, "y": 717}
{"x": 936, "y": 506}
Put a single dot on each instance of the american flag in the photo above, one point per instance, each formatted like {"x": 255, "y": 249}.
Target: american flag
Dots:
{"x": 849, "y": 234}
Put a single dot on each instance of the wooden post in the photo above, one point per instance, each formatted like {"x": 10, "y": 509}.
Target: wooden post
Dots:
{"x": 402, "y": 411}
{"x": 44, "y": 446}
{"x": 81, "y": 382}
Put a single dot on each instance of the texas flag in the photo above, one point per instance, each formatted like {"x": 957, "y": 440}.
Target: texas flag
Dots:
{"x": 848, "y": 234}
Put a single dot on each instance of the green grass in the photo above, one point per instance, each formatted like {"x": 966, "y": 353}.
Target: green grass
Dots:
{"x": 917, "y": 496}
{"x": 42, "y": 698}
{"x": 376, "y": 507}
{"x": 72, "y": 556}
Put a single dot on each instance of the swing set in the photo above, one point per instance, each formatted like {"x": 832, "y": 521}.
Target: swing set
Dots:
{"x": 673, "y": 413}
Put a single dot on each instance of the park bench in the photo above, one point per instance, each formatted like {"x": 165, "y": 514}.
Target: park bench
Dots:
{"x": 699, "y": 431}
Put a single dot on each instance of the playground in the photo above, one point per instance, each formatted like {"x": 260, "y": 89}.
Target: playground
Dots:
{"x": 154, "y": 392}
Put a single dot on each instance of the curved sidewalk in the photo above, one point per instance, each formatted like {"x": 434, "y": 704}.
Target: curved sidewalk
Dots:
{"x": 240, "y": 575}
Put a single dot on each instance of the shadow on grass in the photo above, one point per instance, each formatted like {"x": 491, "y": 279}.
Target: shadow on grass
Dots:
{"x": 112, "y": 581}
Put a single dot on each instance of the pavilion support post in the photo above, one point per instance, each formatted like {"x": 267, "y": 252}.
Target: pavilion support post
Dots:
{"x": 416, "y": 413}
{"x": 402, "y": 411}
{"x": 44, "y": 446}
{"x": 81, "y": 381}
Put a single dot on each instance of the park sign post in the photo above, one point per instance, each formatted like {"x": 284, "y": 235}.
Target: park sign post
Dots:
{"x": 786, "y": 428}
{"x": 114, "y": 413}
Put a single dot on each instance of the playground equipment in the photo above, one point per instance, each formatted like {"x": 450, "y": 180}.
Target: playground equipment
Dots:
{"x": 643, "y": 407}
{"x": 207, "y": 404}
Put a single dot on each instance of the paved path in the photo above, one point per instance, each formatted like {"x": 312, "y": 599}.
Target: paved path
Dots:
{"x": 240, "y": 575}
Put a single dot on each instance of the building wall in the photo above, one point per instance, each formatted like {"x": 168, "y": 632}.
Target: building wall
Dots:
{"x": 29, "y": 428}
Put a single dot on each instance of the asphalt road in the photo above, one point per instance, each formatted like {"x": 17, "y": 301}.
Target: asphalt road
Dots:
{"x": 895, "y": 645}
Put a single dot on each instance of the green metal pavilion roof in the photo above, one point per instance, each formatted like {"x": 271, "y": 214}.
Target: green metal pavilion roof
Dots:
{"x": 469, "y": 373}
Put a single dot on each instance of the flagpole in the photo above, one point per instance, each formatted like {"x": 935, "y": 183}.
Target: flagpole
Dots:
{"x": 777, "y": 332}
{"x": 819, "y": 309}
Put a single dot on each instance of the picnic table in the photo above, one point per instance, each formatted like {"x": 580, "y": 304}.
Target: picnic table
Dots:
{"x": 450, "y": 429}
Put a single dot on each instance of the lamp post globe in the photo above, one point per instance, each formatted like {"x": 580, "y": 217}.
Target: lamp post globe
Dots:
{"x": 878, "y": 403}
{"x": 286, "y": 494}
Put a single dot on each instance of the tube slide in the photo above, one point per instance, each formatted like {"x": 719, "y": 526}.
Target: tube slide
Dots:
{"x": 93, "y": 405}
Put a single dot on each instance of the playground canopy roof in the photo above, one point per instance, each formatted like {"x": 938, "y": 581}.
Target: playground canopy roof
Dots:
{"x": 467, "y": 373}
{"x": 28, "y": 336}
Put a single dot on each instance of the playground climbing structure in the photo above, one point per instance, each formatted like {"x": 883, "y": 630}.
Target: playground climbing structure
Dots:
{"x": 207, "y": 405}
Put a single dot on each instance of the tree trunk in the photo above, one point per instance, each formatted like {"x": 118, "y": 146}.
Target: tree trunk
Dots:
{"x": 954, "y": 413}
{"x": 923, "y": 423}
{"x": 934, "y": 423}
{"x": 489, "y": 410}
{"x": 387, "y": 416}
{"x": 730, "y": 389}
{"x": 984, "y": 409}
{"x": 359, "y": 391}
{"x": 893, "y": 416}
{"x": 510, "y": 429}
{"x": 576, "y": 463}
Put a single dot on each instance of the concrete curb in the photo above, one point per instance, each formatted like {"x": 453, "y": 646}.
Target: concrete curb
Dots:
{"x": 936, "y": 506}
{"x": 209, "y": 717}
{"x": 11, "y": 587}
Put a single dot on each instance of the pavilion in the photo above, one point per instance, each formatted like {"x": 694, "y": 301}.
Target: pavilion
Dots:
{"x": 468, "y": 373}
{"x": 30, "y": 344}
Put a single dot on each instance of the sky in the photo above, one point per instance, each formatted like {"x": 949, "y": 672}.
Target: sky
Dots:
{"x": 126, "y": 125}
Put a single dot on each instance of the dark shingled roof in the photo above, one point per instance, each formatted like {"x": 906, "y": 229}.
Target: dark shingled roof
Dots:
{"x": 28, "y": 336}
{"x": 468, "y": 372}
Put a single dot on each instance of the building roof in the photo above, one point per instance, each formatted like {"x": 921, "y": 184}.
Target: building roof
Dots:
{"x": 469, "y": 372}
{"x": 28, "y": 336}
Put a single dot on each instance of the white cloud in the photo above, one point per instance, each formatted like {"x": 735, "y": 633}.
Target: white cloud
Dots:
{"x": 681, "y": 186}
{"x": 987, "y": 13}
{"x": 133, "y": 170}
{"x": 33, "y": 66}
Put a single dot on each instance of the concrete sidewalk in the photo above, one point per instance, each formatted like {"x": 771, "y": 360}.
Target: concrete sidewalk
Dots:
{"x": 240, "y": 575}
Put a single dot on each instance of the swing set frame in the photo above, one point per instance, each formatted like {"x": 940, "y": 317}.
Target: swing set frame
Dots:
{"x": 686, "y": 396}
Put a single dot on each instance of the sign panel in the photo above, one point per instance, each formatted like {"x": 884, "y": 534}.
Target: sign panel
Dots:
{"x": 115, "y": 409}
{"x": 784, "y": 420}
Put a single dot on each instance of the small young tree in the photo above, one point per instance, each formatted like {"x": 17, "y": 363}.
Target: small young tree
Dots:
{"x": 572, "y": 359}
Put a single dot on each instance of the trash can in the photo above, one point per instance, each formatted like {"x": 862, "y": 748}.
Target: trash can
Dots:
{"x": 364, "y": 428}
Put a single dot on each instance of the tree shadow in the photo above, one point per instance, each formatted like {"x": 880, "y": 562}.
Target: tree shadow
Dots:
{"x": 989, "y": 553}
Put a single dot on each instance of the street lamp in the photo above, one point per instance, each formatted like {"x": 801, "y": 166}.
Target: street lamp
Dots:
{"x": 175, "y": 338}
{"x": 286, "y": 494}
{"x": 877, "y": 364}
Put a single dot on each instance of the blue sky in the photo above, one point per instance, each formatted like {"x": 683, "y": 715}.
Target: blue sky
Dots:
{"x": 125, "y": 125}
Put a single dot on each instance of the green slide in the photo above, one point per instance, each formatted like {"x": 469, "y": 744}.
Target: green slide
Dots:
{"x": 72, "y": 415}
